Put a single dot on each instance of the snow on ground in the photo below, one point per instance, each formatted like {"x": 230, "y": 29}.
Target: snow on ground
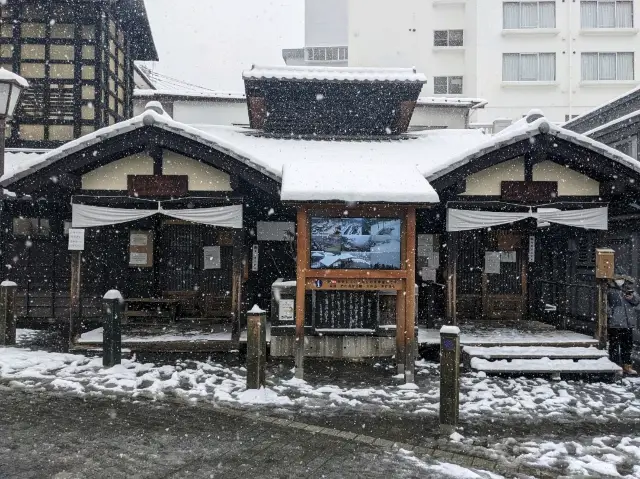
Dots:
{"x": 613, "y": 456}
{"x": 446, "y": 470}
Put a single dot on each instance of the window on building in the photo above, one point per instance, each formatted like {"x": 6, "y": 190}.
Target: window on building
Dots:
{"x": 326, "y": 54}
{"x": 529, "y": 15}
{"x": 570, "y": 117}
{"x": 448, "y": 38}
{"x": 447, "y": 85}
{"x": 607, "y": 66}
{"x": 529, "y": 67}
{"x": 33, "y": 227}
{"x": 628, "y": 146}
{"x": 606, "y": 14}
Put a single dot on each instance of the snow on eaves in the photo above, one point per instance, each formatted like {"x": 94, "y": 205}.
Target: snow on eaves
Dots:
{"x": 472, "y": 103}
{"x": 522, "y": 130}
{"x": 361, "y": 74}
{"x": 204, "y": 95}
{"x": 622, "y": 119}
{"x": 339, "y": 180}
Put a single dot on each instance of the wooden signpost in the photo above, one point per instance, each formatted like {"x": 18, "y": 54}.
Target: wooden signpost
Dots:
{"x": 401, "y": 280}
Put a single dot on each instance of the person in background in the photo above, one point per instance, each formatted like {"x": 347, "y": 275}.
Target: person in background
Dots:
{"x": 623, "y": 304}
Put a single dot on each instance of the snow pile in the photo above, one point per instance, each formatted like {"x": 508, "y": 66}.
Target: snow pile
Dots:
{"x": 614, "y": 456}
{"x": 445, "y": 469}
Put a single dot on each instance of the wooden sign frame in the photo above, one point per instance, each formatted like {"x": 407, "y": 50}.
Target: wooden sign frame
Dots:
{"x": 403, "y": 280}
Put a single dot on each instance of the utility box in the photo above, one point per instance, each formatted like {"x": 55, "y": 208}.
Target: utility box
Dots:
{"x": 604, "y": 263}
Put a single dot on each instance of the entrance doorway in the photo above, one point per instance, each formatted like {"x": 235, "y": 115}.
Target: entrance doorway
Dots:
{"x": 492, "y": 275}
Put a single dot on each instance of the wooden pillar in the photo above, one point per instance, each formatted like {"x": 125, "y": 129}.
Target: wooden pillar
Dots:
{"x": 8, "y": 313}
{"x": 449, "y": 377}
{"x": 410, "y": 345}
{"x": 256, "y": 348}
{"x": 452, "y": 266}
{"x": 602, "y": 320}
{"x": 401, "y": 303}
{"x": 74, "y": 297}
{"x": 237, "y": 310}
{"x": 302, "y": 261}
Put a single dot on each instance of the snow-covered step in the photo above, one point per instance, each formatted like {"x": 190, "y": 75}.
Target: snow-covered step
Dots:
{"x": 534, "y": 352}
{"x": 546, "y": 366}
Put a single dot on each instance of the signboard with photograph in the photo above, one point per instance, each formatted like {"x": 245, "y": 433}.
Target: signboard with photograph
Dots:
{"x": 355, "y": 243}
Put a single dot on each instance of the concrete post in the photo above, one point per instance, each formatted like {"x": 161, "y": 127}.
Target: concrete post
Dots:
{"x": 256, "y": 347}
{"x": 7, "y": 313}
{"x": 112, "y": 336}
{"x": 449, "y": 377}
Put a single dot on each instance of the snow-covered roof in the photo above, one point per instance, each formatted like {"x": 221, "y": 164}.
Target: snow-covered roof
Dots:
{"x": 452, "y": 100}
{"x": 433, "y": 153}
{"x": 19, "y": 160}
{"x": 196, "y": 95}
{"x": 605, "y": 106}
{"x": 334, "y": 74}
{"x": 340, "y": 180}
{"x": 629, "y": 117}
{"x": 531, "y": 125}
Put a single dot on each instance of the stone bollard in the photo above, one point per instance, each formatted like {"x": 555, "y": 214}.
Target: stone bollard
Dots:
{"x": 449, "y": 377}
{"x": 112, "y": 335}
{"x": 256, "y": 347}
{"x": 7, "y": 313}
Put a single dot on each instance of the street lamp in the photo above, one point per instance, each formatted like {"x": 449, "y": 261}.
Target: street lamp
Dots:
{"x": 11, "y": 86}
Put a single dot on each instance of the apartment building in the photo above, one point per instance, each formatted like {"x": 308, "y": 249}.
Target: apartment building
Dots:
{"x": 325, "y": 37}
{"x": 563, "y": 57}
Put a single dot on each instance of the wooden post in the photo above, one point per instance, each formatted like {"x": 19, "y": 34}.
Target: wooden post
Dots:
{"x": 410, "y": 297}
{"x": 256, "y": 347}
{"x": 302, "y": 261}
{"x": 602, "y": 320}
{"x": 74, "y": 297}
{"x": 236, "y": 287}
{"x": 401, "y": 316}
{"x": 452, "y": 266}
{"x": 449, "y": 377}
{"x": 7, "y": 313}
{"x": 112, "y": 332}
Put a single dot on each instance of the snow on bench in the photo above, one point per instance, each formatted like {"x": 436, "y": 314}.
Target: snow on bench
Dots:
{"x": 534, "y": 352}
{"x": 546, "y": 366}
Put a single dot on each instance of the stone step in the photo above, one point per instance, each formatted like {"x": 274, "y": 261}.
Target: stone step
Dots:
{"x": 533, "y": 352}
{"x": 545, "y": 366}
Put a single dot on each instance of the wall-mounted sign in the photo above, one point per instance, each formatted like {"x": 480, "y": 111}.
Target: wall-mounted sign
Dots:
{"x": 276, "y": 230}
{"x": 212, "y": 257}
{"x": 508, "y": 256}
{"x": 286, "y": 310}
{"x": 255, "y": 254}
{"x": 76, "y": 239}
{"x": 492, "y": 262}
{"x": 141, "y": 249}
{"x": 532, "y": 249}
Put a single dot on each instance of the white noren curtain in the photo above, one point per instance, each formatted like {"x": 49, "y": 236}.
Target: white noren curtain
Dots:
{"x": 464, "y": 220}
{"x": 86, "y": 216}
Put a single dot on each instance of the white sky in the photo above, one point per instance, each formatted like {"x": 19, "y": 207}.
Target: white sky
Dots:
{"x": 210, "y": 42}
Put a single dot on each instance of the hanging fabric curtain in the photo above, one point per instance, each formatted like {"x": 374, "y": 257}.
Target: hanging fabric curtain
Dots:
{"x": 86, "y": 216}
{"x": 464, "y": 220}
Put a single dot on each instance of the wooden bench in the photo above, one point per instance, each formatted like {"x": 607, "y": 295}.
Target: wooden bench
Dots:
{"x": 152, "y": 309}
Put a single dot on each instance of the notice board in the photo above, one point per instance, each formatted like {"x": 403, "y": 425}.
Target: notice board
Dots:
{"x": 140, "y": 249}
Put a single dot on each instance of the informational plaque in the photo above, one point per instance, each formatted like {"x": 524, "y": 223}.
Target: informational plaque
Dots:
{"x": 140, "y": 249}
{"x": 76, "y": 239}
{"x": 212, "y": 257}
{"x": 428, "y": 274}
{"x": 139, "y": 239}
{"x": 492, "y": 262}
{"x": 434, "y": 260}
{"x": 255, "y": 256}
{"x": 532, "y": 249}
{"x": 286, "y": 310}
{"x": 508, "y": 256}
{"x": 138, "y": 259}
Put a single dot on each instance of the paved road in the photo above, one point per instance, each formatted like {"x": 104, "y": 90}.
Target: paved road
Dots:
{"x": 45, "y": 436}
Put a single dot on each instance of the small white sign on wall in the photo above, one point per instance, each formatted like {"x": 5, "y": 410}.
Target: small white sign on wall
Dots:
{"x": 212, "y": 257}
{"x": 532, "y": 249}
{"x": 276, "y": 230}
{"x": 138, "y": 239}
{"x": 492, "y": 262}
{"x": 76, "y": 239}
{"x": 255, "y": 256}
{"x": 138, "y": 259}
{"x": 286, "y": 310}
